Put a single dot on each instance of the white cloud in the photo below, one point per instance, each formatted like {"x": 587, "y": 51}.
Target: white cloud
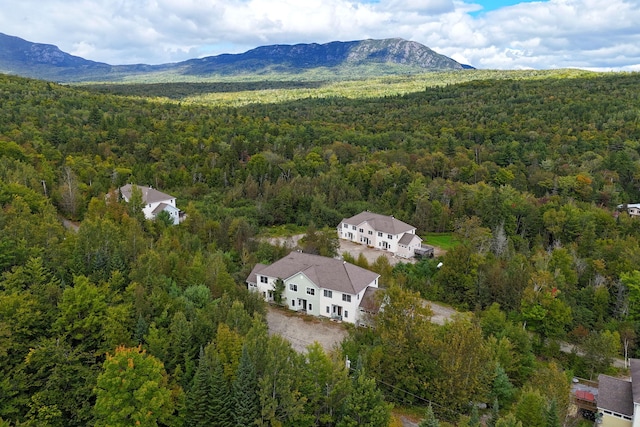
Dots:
{"x": 543, "y": 34}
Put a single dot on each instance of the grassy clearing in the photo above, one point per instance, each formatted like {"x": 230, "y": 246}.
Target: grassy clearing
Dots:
{"x": 445, "y": 241}
{"x": 285, "y": 230}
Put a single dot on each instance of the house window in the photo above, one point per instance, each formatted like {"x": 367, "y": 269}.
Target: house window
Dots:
{"x": 389, "y": 236}
{"x": 328, "y": 311}
{"x": 263, "y": 279}
{"x": 370, "y": 232}
{"x": 346, "y": 297}
{"x": 345, "y": 225}
{"x": 328, "y": 293}
{"x": 353, "y": 227}
{"x": 310, "y": 307}
{"x": 293, "y": 303}
{"x": 379, "y": 234}
{"x": 311, "y": 291}
{"x": 361, "y": 230}
{"x": 346, "y": 314}
{"x": 293, "y": 287}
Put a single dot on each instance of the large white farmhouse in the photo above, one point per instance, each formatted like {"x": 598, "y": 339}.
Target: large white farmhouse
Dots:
{"x": 319, "y": 286}
{"x": 381, "y": 232}
{"x": 154, "y": 202}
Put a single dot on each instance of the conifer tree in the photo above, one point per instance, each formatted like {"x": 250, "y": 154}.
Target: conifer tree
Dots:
{"x": 502, "y": 389}
{"x": 365, "y": 405}
{"x": 430, "y": 419}
{"x": 508, "y": 420}
{"x": 474, "y": 421}
{"x": 495, "y": 414}
{"x": 245, "y": 397}
{"x": 221, "y": 403}
{"x": 552, "y": 415}
{"x": 199, "y": 397}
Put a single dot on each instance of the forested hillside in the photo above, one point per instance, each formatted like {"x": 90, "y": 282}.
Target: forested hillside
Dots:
{"x": 527, "y": 174}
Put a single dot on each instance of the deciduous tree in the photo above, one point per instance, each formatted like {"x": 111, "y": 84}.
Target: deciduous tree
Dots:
{"x": 132, "y": 390}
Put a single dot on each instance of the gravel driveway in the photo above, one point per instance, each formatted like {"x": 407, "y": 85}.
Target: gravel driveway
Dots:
{"x": 354, "y": 249}
{"x": 302, "y": 330}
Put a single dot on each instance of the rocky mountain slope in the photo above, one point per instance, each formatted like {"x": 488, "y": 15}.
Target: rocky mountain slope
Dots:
{"x": 379, "y": 57}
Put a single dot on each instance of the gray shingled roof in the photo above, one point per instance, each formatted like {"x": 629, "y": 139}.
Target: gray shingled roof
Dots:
{"x": 407, "y": 238}
{"x": 253, "y": 276}
{"x": 159, "y": 208}
{"x": 383, "y": 223}
{"x": 369, "y": 302}
{"x": 615, "y": 394}
{"x": 149, "y": 195}
{"x": 635, "y": 378}
{"x": 327, "y": 273}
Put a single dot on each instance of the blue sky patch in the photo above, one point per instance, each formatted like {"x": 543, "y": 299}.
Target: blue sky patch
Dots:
{"x": 489, "y": 5}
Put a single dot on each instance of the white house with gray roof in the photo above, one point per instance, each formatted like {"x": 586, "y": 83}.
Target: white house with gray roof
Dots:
{"x": 633, "y": 209}
{"x": 319, "y": 286}
{"x": 381, "y": 232}
{"x": 154, "y": 202}
{"x": 618, "y": 399}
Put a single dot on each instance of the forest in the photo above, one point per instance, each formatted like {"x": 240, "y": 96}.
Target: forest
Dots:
{"x": 121, "y": 320}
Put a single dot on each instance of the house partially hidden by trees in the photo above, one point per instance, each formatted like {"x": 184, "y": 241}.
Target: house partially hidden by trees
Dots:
{"x": 152, "y": 201}
{"x": 618, "y": 399}
{"x": 633, "y": 209}
{"x": 381, "y": 232}
{"x": 318, "y": 285}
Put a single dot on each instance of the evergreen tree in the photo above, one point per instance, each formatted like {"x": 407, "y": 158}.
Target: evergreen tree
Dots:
{"x": 142, "y": 327}
{"x": 280, "y": 397}
{"x": 430, "y": 419}
{"x": 495, "y": 414}
{"x": 245, "y": 397}
{"x": 365, "y": 406}
{"x": 530, "y": 408}
{"x": 200, "y": 396}
{"x": 508, "y": 421}
{"x": 474, "y": 421}
{"x": 552, "y": 415}
{"x": 221, "y": 403}
{"x": 278, "y": 292}
{"x": 501, "y": 388}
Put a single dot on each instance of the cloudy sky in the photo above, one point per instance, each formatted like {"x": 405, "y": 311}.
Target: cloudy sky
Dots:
{"x": 496, "y": 34}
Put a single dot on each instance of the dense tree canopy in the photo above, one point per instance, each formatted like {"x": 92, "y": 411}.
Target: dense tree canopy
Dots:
{"x": 526, "y": 174}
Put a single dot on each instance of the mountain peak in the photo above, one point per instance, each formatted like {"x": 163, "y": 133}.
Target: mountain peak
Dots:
{"x": 387, "y": 56}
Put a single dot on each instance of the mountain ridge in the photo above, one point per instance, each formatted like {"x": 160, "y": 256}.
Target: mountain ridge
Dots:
{"x": 385, "y": 56}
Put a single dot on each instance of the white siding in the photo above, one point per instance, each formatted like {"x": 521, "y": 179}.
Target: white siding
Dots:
{"x": 301, "y": 295}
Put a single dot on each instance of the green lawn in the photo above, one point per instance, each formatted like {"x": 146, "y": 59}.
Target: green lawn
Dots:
{"x": 445, "y": 241}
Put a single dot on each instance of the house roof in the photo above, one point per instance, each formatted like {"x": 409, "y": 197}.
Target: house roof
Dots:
{"x": 149, "y": 195}
{"x": 163, "y": 206}
{"x": 634, "y": 367}
{"x": 407, "y": 238}
{"x": 369, "y": 302}
{"x": 327, "y": 273}
{"x": 615, "y": 394}
{"x": 383, "y": 223}
{"x": 253, "y": 276}
{"x": 629, "y": 205}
